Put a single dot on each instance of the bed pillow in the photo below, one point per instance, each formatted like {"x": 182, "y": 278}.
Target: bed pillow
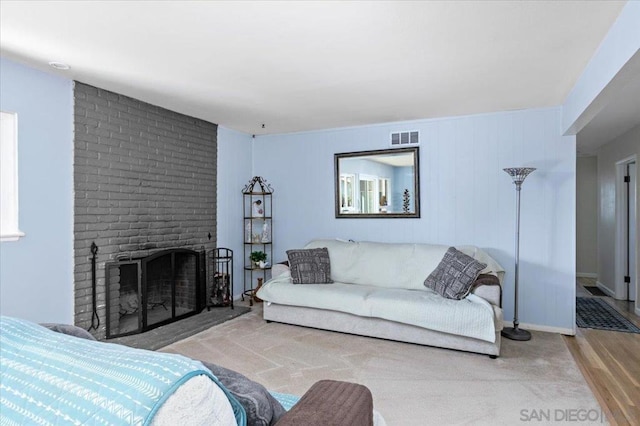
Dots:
{"x": 261, "y": 407}
{"x": 310, "y": 266}
{"x": 454, "y": 275}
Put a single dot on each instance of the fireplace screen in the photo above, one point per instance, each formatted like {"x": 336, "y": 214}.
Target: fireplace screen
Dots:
{"x": 152, "y": 291}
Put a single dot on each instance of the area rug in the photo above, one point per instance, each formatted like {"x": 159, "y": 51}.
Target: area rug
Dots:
{"x": 411, "y": 384}
{"x": 170, "y": 333}
{"x": 595, "y": 290}
{"x": 595, "y": 313}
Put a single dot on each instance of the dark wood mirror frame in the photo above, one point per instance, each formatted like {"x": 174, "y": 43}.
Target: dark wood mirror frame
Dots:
{"x": 384, "y": 202}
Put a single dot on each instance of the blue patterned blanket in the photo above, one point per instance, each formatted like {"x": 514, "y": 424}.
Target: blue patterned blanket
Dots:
{"x": 52, "y": 378}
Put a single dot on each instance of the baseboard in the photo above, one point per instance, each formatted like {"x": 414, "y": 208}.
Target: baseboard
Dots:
{"x": 637, "y": 311}
{"x": 545, "y": 328}
{"x": 605, "y": 289}
{"x": 586, "y": 275}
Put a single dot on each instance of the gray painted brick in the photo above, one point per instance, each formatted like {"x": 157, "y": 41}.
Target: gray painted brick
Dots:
{"x": 144, "y": 180}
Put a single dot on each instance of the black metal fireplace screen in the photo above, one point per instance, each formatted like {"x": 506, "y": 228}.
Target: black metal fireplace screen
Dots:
{"x": 152, "y": 291}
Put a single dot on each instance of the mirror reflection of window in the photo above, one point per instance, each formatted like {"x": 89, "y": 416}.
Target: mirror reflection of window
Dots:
{"x": 347, "y": 193}
{"x": 368, "y": 198}
{"x": 383, "y": 194}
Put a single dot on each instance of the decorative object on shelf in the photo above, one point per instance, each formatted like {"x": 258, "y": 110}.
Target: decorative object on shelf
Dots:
{"x": 257, "y": 257}
{"x": 257, "y": 210}
{"x": 258, "y": 234}
{"x": 518, "y": 174}
{"x": 266, "y": 232}
{"x": 247, "y": 233}
{"x": 406, "y": 200}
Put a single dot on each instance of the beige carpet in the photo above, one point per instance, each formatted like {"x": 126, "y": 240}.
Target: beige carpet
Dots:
{"x": 411, "y": 384}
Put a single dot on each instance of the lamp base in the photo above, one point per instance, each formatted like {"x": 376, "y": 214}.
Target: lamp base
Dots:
{"x": 515, "y": 333}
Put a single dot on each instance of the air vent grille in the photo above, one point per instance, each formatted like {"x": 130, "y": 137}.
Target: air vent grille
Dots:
{"x": 405, "y": 138}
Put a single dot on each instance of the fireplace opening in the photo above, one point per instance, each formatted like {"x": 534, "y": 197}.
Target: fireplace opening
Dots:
{"x": 152, "y": 291}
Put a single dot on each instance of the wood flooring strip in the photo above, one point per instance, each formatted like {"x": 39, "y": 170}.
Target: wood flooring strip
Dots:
{"x": 610, "y": 363}
{"x": 586, "y": 367}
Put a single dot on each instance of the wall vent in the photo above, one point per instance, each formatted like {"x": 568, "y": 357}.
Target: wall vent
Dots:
{"x": 405, "y": 138}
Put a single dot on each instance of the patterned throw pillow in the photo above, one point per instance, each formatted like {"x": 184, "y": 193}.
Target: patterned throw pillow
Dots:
{"x": 454, "y": 275}
{"x": 310, "y": 266}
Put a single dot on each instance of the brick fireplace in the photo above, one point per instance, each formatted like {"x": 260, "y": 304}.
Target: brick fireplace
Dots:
{"x": 144, "y": 181}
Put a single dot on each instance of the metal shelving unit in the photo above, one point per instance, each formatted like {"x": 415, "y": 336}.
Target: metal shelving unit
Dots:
{"x": 257, "y": 234}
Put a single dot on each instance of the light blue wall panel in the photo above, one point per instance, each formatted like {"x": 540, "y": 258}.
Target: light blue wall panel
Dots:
{"x": 36, "y": 272}
{"x": 466, "y": 198}
{"x": 234, "y": 172}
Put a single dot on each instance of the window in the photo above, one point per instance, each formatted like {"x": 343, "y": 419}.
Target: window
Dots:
{"x": 9, "y": 230}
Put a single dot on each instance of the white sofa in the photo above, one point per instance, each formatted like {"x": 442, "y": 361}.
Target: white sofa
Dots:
{"x": 378, "y": 291}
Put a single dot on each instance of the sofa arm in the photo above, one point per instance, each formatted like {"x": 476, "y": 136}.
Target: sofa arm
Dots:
{"x": 279, "y": 269}
{"x": 488, "y": 287}
{"x": 331, "y": 402}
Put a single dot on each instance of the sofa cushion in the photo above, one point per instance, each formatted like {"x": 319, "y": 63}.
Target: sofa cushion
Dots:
{"x": 454, "y": 275}
{"x": 310, "y": 266}
{"x": 381, "y": 264}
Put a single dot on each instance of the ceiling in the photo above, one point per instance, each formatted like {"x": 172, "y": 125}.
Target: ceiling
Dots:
{"x": 297, "y": 66}
{"x": 618, "y": 109}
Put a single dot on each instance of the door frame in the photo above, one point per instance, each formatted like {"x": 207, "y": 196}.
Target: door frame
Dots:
{"x": 621, "y": 230}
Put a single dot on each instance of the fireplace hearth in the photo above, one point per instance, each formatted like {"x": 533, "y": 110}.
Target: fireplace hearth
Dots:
{"x": 148, "y": 292}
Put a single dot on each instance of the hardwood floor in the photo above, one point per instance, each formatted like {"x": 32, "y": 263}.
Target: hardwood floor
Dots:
{"x": 610, "y": 362}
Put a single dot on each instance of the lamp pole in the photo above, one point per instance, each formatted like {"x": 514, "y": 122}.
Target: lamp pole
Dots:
{"x": 518, "y": 174}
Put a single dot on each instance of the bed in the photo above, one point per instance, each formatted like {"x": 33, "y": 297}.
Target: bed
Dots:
{"x": 59, "y": 374}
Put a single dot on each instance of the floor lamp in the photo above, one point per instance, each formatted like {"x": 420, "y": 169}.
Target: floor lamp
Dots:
{"x": 518, "y": 174}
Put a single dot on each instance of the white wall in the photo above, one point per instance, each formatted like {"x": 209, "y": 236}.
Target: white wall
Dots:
{"x": 234, "y": 172}
{"x": 619, "y": 149}
{"x": 466, "y": 197}
{"x": 587, "y": 216}
{"x": 36, "y": 272}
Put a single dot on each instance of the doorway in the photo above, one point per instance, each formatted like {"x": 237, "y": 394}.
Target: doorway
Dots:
{"x": 632, "y": 228}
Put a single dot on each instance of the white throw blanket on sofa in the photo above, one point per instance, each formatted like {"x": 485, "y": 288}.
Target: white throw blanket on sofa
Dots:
{"x": 471, "y": 317}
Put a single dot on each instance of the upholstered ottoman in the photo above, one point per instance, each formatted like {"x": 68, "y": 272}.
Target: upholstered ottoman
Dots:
{"x": 332, "y": 403}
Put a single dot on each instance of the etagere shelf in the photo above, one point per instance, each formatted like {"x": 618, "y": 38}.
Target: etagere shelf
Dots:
{"x": 257, "y": 235}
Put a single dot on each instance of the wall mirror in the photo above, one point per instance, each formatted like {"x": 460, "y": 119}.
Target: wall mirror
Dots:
{"x": 378, "y": 184}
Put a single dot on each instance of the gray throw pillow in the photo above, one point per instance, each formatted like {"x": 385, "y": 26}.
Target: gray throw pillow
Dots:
{"x": 310, "y": 266}
{"x": 454, "y": 275}
{"x": 261, "y": 407}
{"x": 69, "y": 329}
